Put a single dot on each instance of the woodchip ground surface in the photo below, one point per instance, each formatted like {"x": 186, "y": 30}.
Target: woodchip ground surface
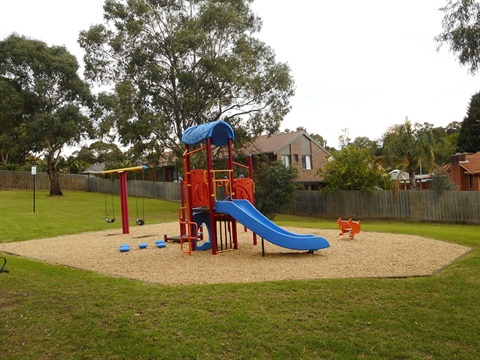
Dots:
{"x": 370, "y": 254}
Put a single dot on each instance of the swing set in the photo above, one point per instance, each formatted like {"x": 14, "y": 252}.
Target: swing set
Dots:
{"x": 109, "y": 219}
{"x": 122, "y": 176}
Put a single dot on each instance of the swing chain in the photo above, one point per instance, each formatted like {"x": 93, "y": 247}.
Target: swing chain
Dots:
{"x": 140, "y": 221}
{"x": 107, "y": 219}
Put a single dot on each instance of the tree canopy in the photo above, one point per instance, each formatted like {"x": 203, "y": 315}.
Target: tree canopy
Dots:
{"x": 43, "y": 101}
{"x": 12, "y": 106}
{"x": 275, "y": 186}
{"x": 444, "y": 143}
{"x": 469, "y": 137}
{"x": 100, "y": 152}
{"x": 175, "y": 64}
{"x": 461, "y": 30}
{"x": 353, "y": 168}
{"x": 408, "y": 145}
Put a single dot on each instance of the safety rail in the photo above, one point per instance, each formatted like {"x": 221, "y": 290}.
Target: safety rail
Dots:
{"x": 222, "y": 182}
{"x": 186, "y": 153}
{"x": 188, "y": 236}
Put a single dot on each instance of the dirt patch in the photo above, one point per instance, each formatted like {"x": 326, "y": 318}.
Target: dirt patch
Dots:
{"x": 370, "y": 254}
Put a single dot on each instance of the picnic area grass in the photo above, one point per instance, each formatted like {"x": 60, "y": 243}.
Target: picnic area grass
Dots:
{"x": 56, "y": 312}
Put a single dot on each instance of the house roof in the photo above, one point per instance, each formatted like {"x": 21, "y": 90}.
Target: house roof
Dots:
{"x": 95, "y": 168}
{"x": 399, "y": 175}
{"x": 167, "y": 158}
{"x": 471, "y": 164}
{"x": 275, "y": 143}
{"x": 264, "y": 144}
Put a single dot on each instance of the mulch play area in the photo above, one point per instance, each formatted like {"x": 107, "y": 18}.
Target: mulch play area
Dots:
{"x": 369, "y": 254}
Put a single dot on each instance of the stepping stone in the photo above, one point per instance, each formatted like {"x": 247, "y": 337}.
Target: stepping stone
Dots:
{"x": 124, "y": 248}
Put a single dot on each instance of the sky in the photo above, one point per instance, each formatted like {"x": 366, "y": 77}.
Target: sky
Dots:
{"x": 360, "y": 67}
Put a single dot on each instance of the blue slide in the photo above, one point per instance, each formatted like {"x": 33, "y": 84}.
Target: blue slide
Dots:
{"x": 245, "y": 213}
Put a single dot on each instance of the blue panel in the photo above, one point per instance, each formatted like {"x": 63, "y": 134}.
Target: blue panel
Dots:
{"x": 218, "y": 131}
{"x": 203, "y": 218}
{"x": 245, "y": 213}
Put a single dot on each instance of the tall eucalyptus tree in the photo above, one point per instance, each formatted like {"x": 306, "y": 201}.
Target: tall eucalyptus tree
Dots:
{"x": 177, "y": 63}
{"x": 47, "y": 100}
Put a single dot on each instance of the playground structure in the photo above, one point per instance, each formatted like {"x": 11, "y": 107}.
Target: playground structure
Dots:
{"x": 122, "y": 176}
{"x": 215, "y": 199}
{"x": 349, "y": 227}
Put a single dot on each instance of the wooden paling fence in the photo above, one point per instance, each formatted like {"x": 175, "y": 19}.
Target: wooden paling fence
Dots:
{"x": 69, "y": 182}
{"x": 426, "y": 205}
{"x": 141, "y": 188}
{"x": 24, "y": 180}
{"x": 446, "y": 206}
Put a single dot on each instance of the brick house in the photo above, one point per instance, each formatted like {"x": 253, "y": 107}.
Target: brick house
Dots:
{"x": 464, "y": 170}
{"x": 295, "y": 149}
{"x": 166, "y": 169}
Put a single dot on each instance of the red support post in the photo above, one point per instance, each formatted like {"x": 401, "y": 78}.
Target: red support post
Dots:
{"x": 230, "y": 179}
{"x": 250, "y": 174}
{"x": 183, "y": 212}
{"x": 250, "y": 166}
{"x": 213, "y": 226}
{"x": 188, "y": 195}
{"x": 124, "y": 201}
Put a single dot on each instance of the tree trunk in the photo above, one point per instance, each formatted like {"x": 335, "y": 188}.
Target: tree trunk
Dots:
{"x": 54, "y": 176}
{"x": 413, "y": 183}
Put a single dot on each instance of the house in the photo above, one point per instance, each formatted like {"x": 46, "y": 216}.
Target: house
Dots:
{"x": 295, "y": 149}
{"x": 95, "y": 169}
{"x": 166, "y": 169}
{"x": 464, "y": 170}
{"x": 402, "y": 180}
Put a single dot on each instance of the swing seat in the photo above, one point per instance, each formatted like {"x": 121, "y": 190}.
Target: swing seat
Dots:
{"x": 109, "y": 221}
{"x": 140, "y": 222}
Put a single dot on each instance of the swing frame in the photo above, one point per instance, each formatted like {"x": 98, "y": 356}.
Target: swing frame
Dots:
{"x": 122, "y": 177}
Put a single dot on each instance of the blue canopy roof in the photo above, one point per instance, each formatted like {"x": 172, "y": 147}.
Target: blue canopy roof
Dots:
{"x": 218, "y": 131}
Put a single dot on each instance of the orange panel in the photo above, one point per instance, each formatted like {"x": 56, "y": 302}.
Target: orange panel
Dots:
{"x": 200, "y": 195}
{"x": 243, "y": 188}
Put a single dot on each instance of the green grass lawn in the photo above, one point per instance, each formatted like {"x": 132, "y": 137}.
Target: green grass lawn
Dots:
{"x": 55, "y": 312}
{"x": 72, "y": 213}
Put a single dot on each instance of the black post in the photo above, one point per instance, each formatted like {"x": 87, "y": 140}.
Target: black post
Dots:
{"x": 34, "y": 173}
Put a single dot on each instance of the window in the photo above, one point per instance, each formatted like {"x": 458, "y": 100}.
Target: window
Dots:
{"x": 306, "y": 162}
{"x": 286, "y": 160}
{"x": 295, "y": 158}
